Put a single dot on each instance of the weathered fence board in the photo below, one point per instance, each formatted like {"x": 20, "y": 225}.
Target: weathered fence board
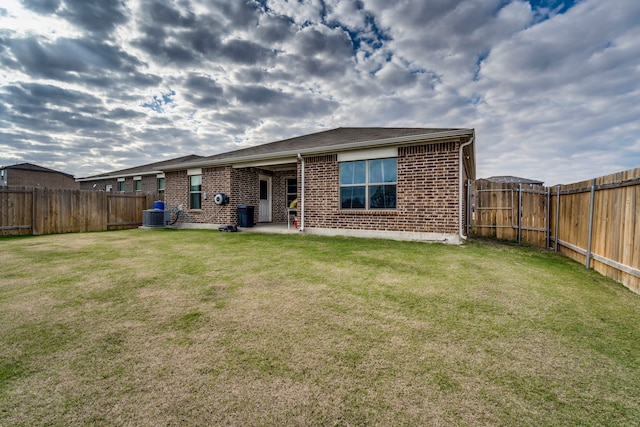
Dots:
{"x": 510, "y": 211}
{"x": 15, "y": 210}
{"x": 52, "y": 211}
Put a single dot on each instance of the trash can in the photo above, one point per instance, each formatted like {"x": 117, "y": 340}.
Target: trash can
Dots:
{"x": 245, "y": 216}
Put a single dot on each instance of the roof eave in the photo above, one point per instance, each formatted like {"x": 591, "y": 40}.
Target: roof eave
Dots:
{"x": 100, "y": 178}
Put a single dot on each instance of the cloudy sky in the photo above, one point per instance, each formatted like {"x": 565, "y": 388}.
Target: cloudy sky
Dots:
{"x": 551, "y": 87}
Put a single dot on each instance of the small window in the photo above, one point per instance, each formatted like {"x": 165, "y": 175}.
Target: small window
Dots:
{"x": 292, "y": 190}
{"x": 138, "y": 185}
{"x": 368, "y": 184}
{"x": 121, "y": 186}
{"x": 195, "y": 192}
{"x": 161, "y": 185}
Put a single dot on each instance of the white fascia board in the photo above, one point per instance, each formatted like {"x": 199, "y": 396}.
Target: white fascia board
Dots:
{"x": 330, "y": 149}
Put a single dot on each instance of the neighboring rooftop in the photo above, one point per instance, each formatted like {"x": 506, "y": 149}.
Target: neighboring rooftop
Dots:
{"x": 35, "y": 168}
{"x": 515, "y": 180}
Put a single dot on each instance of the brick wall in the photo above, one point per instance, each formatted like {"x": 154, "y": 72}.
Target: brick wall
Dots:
{"x": 99, "y": 185}
{"x": 40, "y": 179}
{"x": 149, "y": 184}
{"x": 244, "y": 191}
{"x": 214, "y": 180}
{"x": 241, "y": 185}
{"x": 427, "y": 193}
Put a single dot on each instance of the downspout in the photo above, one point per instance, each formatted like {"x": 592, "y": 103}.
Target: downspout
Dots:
{"x": 302, "y": 194}
{"x": 461, "y": 189}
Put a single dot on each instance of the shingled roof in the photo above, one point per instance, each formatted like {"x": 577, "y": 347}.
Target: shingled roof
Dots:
{"x": 36, "y": 168}
{"x": 143, "y": 169}
{"x": 335, "y": 139}
{"x": 514, "y": 180}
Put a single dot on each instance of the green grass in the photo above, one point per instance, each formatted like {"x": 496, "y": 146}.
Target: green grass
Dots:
{"x": 193, "y": 327}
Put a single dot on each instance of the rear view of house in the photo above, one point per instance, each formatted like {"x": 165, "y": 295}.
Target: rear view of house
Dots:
{"x": 399, "y": 183}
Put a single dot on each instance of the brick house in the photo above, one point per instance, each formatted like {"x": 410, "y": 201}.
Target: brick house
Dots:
{"x": 146, "y": 178}
{"x": 30, "y": 175}
{"x": 398, "y": 183}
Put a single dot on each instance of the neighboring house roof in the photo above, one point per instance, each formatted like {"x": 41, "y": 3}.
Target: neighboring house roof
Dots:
{"x": 331, "y": 141}
{"x": 35, "y": 168}
{"x": 514, "y": 179}
{"x": 148, "y": 169}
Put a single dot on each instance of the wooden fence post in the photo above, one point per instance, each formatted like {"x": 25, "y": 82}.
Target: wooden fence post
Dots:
{"x": 548, "y": 220}
{"x": 469, "y": 213}
{"x": 520, "y": 213}
{"x": 34, "y": 213}
{"x": 592, "y": 199}
{"x": 557, "y": 218}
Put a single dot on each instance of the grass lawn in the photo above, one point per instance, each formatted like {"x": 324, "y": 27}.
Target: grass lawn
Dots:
{"x": 194, "y": 327}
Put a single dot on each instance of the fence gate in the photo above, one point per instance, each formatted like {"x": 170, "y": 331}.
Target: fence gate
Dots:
{"x": 510, "y": 211}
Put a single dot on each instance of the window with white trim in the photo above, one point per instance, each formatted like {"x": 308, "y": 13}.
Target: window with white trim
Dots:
{"x": 161, "y": 184}
{"x": 369, "y": 184}
{"x": 195, "y": 192}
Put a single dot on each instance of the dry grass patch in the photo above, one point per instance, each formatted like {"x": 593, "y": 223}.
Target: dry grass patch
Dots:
{"x": 205, "y": 328}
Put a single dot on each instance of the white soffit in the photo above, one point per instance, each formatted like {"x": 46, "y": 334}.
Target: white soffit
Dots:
{"x": 259, "y": 163}
{"x": 373, "y": 153}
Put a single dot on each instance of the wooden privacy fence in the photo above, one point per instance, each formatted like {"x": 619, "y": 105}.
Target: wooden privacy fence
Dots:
{"x": 50, "y": 211}
{"x": 510, "y": 211}
{"x": 595, "y": 222}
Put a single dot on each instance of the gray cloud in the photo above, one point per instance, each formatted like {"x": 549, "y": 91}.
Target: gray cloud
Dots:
{"x": 273, "y": 29}
{"x": 245, "y": 52}
{"x": 95, "y": 17}
{"x": 70, "y": 59}
{"x": 139, "y": 82}
{"x": 203, "y": 91}
{"x": 42, "y": 6}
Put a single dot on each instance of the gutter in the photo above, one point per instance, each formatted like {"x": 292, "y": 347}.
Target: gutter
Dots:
{"x": 302, "y": 194}
{"x": 461, "y": 188}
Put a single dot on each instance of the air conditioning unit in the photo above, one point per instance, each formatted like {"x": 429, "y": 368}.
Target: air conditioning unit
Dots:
{"x": 153, "y": 218}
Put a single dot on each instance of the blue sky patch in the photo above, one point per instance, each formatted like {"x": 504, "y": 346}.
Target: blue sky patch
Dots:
{"x": 159, "y": 102}
{"x": 545, "y": 9}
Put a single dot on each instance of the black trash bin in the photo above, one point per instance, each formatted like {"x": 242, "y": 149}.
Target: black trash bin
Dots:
{"x": 245, "y": 216}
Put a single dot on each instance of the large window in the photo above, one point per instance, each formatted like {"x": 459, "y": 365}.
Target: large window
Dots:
{"x": 368, "y": 184}
{"x": 195, "y": 192}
